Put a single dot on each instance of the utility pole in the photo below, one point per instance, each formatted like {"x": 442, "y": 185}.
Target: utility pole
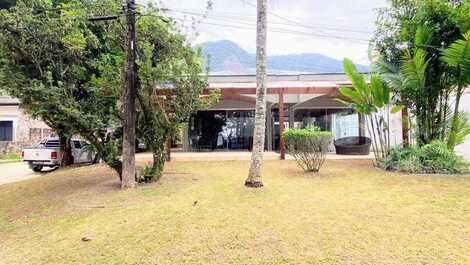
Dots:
{"x": 129, "y": 98}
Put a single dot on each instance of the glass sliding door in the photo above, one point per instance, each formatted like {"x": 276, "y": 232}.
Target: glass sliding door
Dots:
{"x": 275, "y": 121}
{"x": 206, "y": 131}
{"x": 345, "y": 124}
{"x": 239, "y": 129}
{"x": 221, "y": 130}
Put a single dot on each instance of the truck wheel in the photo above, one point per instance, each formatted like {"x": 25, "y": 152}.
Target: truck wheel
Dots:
{"x": 37, "y": 168}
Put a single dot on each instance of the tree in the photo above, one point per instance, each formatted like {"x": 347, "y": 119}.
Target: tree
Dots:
{"x": 38, "y": 47}
{"x": 409, "y": 31}
{"x": 170, "y": 83}
{"x": 457, "y": 56}
{"x": 64, "y": 75}
{"x": 254, "y": 176}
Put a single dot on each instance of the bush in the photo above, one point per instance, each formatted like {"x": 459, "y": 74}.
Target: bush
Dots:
{"x": 147, "y": 174}
{"x": 308, "y": 146}
{"x": 433, "y": 158}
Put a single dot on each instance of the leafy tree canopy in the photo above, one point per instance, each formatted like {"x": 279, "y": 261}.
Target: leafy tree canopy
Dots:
{"x": 410, "y": 38}
{"x": 58, "y": 65}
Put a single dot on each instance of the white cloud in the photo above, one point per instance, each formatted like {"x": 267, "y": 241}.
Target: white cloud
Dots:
{"x": 344, "y": 25}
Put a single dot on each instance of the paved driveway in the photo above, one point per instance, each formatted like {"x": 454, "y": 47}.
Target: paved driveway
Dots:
{"x": 13, "y": 172}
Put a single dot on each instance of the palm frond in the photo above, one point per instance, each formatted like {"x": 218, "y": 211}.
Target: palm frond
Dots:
{"x": 414, "y": 69}
{"x": 358, "y": 81}
{"x": 462, "y": 130}
{"x": 457, "y": 56}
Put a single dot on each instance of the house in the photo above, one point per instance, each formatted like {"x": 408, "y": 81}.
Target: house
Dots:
{"x": 17, "y": 129}
{"x": 292, "y": 101}
{"x": 464, "y": 148}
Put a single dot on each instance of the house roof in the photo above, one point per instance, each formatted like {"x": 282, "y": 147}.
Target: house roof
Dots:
{"x": 281, "y": 84}
{"x": 8, "y": 101}
{"x": 280, "y": 81}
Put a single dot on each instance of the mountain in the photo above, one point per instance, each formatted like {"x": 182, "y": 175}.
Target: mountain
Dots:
{"x": 226, "y": 57}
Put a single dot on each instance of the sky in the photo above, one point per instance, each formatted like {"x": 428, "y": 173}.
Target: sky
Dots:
{"x": 336, "y": 28}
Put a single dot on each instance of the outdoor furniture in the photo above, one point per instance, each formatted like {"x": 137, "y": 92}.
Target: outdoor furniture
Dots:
{"x": 356, "y": 145}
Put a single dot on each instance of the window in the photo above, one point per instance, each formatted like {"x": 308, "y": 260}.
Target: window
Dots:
{"x": 52, "y": 144}
{"x": 77, "y": 145}
{"x": 6, "y": 131}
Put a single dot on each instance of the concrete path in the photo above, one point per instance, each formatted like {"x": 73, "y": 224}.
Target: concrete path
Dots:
{"x": 14, "y": 172}
{"x": 237, "y": 155}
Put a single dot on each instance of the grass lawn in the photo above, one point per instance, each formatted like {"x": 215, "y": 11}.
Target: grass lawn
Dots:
{"x": 9, "y": 158}
{"x": 200, "y": 213}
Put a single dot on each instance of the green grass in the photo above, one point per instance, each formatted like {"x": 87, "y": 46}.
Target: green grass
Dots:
{"x": 8, "y": 158}
{"x": 349, "y": 213}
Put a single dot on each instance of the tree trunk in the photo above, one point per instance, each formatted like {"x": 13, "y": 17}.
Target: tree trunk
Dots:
{"x": 129, "y": 98}
{"x": 66, "y": 149}
{"x": 405, "y": 121}
{"x": 254, "y": 175}
{"x": 168, "y": 149}
{"x": 455, "y": 120}
{"x": 159, "y": 158}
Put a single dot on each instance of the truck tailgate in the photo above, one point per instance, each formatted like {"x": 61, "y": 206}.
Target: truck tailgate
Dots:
{"x": 39, "y": 154}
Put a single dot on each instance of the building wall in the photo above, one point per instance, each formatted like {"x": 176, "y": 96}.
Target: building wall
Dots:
{"x": 26, "y": 131}
{"x": 464, "y": 149}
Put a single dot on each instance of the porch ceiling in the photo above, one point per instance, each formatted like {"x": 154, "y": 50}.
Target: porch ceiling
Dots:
{"x": 279, "y": 84}
{"x": 288, "y": 98}
{"x": 321, "y": 102}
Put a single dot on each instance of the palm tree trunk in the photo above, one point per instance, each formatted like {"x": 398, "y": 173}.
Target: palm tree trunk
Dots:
{"x": 405, "y": 127}
{"x": 254, "y": 176}
{"x": 455, "y": 120}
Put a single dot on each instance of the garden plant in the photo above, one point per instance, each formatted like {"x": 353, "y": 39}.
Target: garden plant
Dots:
{"x": 308, "y": 146}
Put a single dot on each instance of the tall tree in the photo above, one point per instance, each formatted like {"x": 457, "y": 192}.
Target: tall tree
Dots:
{"x": 413, "y": 32}
{"x": 64, "y": 75}
{"x": 457, "y": 56}
{"x": 46, "y": 55}
{"x": 170, "y": 84}
{"x": 254, "y": 176}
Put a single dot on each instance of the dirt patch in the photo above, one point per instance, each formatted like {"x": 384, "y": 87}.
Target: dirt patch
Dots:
{"x": 45, "y": 194}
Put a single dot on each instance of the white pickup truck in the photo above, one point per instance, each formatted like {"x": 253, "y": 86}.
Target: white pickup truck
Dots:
{"x": 47, "y": 153}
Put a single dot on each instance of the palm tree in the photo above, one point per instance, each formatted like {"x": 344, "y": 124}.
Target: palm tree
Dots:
{"x": 254, "y": 176}
{"x": 457, "y": 56}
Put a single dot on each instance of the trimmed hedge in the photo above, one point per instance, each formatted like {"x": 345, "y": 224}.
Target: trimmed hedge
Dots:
{"x": 308, "y": 146}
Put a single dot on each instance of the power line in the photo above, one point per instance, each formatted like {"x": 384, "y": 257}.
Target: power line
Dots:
{"x": 245, "y": 26}
{"x": 241, "y": 17}
{"x": 282, "y": 30}
{"x": 281, "y": 17}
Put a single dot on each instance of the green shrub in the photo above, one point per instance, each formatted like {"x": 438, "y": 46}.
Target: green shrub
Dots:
{"x": 147, "y": 174}
{"x": 433, "y": 158}
{"x": 308, "y": 146}
{"x": 437, "y": 158}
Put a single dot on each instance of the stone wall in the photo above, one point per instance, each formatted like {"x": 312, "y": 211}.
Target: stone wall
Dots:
{"x": 12, "y": 147}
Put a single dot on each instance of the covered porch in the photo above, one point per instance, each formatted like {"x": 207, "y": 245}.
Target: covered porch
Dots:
{"x": 228, "y": 125}
{"x": 179, "y": 155}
